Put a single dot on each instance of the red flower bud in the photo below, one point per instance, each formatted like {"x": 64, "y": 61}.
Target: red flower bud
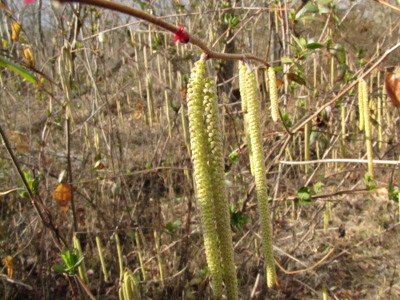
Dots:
{"x": 181, "y": 35}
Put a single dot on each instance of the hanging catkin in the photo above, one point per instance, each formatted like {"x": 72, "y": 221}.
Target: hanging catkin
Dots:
{"x": 273, "y": 94}
{"x": 217, "y": 166}
{"x": 243, "y": 96}
{"x": 253, "y": 118}
{"x": 199, "y": 147}
{"x": 363, "y": 90}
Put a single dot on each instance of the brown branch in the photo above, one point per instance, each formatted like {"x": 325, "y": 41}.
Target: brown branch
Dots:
{"x": 210, "y": 54}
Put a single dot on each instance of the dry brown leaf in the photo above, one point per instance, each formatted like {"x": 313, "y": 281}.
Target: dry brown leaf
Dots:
{"x": 15, "y": 30}
{"x": 29, "y": 59}
{"x": 8, "y": 262}
{"x": 62, "y": 194}
{"x": 98, "y": 165}
{"x": 19, "y": 139}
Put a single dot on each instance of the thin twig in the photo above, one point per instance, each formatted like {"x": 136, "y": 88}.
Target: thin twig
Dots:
{"x": 306, "y": 269}
{"x": 70, "y": 177}
{"x": 379, "y": 191}
{"x": 340, "y": 160}
{"x": 16, "y": 282}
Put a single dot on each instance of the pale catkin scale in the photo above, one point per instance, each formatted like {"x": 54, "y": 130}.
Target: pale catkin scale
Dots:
{"x": 273, "y": 94}
{"x": 253, "y": 108}
{"x": 216, "y": 164}
{"x": 199, "y": 145}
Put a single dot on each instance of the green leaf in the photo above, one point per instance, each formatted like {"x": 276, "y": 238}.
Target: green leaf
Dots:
{"x": 306, "y": 53}
{"x": 172, "y": 226}
{"x": 309, "y": 7}
{"x": 237, "y": 218}
{"x": 286, "y": 119}
{"x": 19, "y": 70}
{"x": 318, "y": 187}
{"x": 286, "y": 60}
{"x": 394, "y": 193}
{"x": 78, "y": 262}
{"x": 314, "y": 136}
{"x": 234, "y": 156}
{"x": 369, "y": 183}
{"x": 59, "y": 268}
{"x": 23, "y": 193}
{"x": 339, "y": 52}
{"x": 304, "y": 193}
{"x": 314, "y": 46}
{"x": 296, "y": 78}
{"x": 301, "y": 42}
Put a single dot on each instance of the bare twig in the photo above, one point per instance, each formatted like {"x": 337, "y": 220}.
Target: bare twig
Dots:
{"x": 340, "y": 160}
{"x": 16, "y": 282}
{"x": 306, "y": 269}
{"x": 380, "y": 191}
{"x": 210, "y": 54}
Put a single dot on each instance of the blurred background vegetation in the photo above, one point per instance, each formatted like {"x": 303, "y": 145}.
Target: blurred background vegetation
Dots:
{"x": 121, "y": 83}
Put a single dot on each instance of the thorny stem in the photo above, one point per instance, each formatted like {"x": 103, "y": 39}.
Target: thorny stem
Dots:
{"x": 167, "y": 26}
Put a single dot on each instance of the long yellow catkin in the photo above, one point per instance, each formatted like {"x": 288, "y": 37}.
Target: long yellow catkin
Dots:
{"x": 82, "y": 267}
{"x": 130, "y": 289}
{"x": 199, "y": 147}
{"x": 363, "y": 88}
{"x": 243, "y": 95}
{"x": 216, "y": 164}
{"x": 140, "y": 256}
{"x": 120, "y": 259}
{"x": 102, "y": 260}
{"x": 273, "y": 94}
{"x": 360, "y": 106}
{"x": 253, "y": 108}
